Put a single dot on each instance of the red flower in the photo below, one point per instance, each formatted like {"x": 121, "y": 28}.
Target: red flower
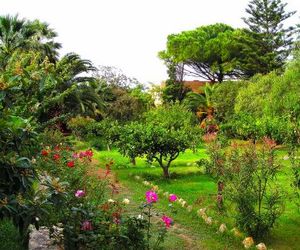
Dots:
{"x": 44, "y": 152}
{"x": 56, "y": 157}
{"x": 89, "y": 153}
{"x": 57, "y": 148}
{"x": 70, "y": 164}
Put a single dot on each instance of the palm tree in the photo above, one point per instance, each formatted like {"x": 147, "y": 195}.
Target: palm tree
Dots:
{"x": 21, "y": 34}
{"x": 202, "y": 105}
{"x": 74, "y": 92}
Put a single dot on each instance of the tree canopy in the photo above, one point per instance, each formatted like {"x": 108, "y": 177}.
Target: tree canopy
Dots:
{"x": 206, "y": 52}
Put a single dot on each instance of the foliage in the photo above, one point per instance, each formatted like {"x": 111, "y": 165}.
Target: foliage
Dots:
{"x": 17, "y": 173}
{"x": 251, "y": 184}
{"x": 167, "y": 131}
{"x": 80, "y": 126}
{"x": 51, "y": 137}
{"x": 268, "y": 105}
{"x": 174, "y": 89}
{"x": 127, "y": 104}
{"x": 10, "y": 238}
{"x": 32, "y": 86}
{"x": 206, "y": 52}
{"x": 268, "y": 43}
{"x": 224, "y": 98}
{"x": 16, "y": 34}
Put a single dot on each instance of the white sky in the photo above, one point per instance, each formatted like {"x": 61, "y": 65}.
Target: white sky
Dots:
{"x": 128, "y": 34}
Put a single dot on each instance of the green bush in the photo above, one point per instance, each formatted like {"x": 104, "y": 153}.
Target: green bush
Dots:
{"x": 9, "y": 236}
{"x": 224, "y": 98}
{"x": 81, "y": 126}
{"x": 250, "y": 183}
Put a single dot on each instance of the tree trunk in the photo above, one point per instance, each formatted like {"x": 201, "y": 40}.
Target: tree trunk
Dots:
{"x": 133, "y": 161}
{"x": 166, "y": 172}
{"x": 220, "y": 195}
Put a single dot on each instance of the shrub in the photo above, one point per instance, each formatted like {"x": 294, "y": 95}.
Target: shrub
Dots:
{"x": 251, "y": 185}
{"x": 9, "y": 236}
{"x": 80, "y": 126}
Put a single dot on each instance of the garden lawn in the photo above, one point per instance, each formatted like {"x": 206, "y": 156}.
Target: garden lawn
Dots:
{"x": 199, "y": 190}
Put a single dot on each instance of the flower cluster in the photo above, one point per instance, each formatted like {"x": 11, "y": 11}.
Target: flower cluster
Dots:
{"x": 151, "y": 196}
{"x": 88, "y": 154}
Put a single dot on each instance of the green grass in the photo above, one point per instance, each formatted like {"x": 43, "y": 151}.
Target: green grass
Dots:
{"x": 189, "y": 182}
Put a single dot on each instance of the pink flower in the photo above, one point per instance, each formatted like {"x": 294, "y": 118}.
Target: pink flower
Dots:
{"x": 75, "y": 155}
{"x": 167, "y": 220}
{"x": 151, "y": 196}
{"x": 79, "y": 193}
{"x": 86, "y": 226}
{"x": 81, "y": 155}
{"x": 172, "y": 197}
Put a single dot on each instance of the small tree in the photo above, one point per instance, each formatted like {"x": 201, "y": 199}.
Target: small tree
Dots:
{"x": 165, "y": 133}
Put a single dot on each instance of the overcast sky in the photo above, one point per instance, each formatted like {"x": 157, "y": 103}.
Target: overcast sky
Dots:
{"x": 128, "y": 33}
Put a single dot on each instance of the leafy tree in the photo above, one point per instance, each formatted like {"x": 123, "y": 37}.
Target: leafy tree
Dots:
{"x": 206, "y": 52}
{"x": 224, "y": 98}
{"x": 166, "y": 131}
{"x": 269, "y": 105}
{"x": 35, "y": 87}
{"x": 267, "y": 43}
{"x": 18, "y": 33}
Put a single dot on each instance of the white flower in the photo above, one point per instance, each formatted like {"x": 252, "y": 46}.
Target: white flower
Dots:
{"x": 189, "y": 208}
{"x": 126, "y": 201}
{"x": 261, "y": 246}
{"x": 110, "y": 201}
{"x": 155, "y": 187}
{"x": 37, "y": 218}
{"x": 222, "y": 228}
{"x": 140, "y": 217}
{"x": 183, "y": 203}
{"x": 137, "y": 177}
